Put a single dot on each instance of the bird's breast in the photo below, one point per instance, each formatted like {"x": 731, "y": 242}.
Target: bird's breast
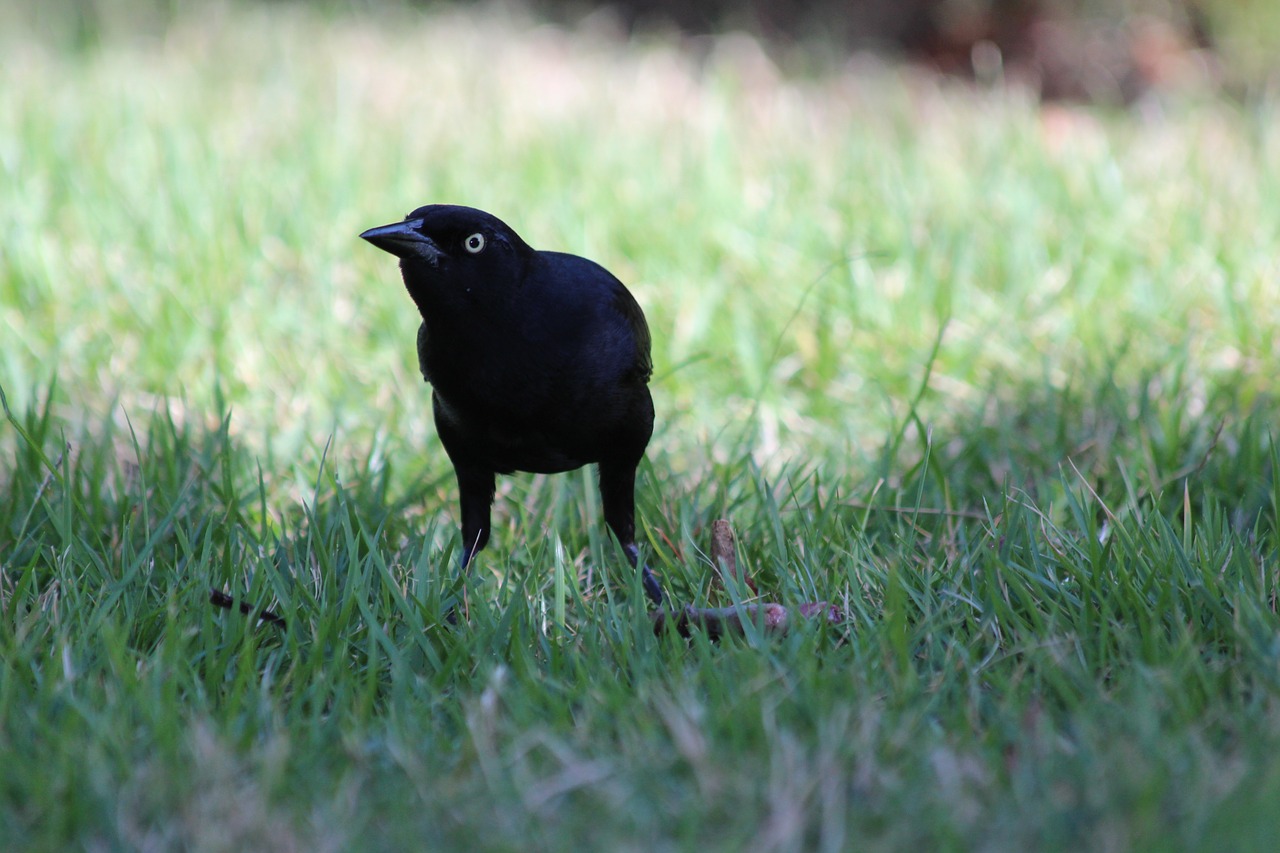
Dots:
{"x": 507, "y": 439}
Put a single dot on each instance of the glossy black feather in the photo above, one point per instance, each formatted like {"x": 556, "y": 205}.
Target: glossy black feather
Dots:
{"x": 538, "y": 361}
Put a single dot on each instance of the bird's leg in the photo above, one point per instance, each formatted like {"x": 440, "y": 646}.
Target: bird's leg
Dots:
{"x": 618, "y": 496}
{"x": 475, "y": 486}
{"x": 648, "y": 579}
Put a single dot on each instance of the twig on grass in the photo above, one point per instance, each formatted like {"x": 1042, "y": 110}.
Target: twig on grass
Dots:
{"x": 770, "y": 617}
{"x": 226, "y": 602}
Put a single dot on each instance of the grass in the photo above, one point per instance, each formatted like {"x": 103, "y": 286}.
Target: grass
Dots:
{"x": 995, "y": 379}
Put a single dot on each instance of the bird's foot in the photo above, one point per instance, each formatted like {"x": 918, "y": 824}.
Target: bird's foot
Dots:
{"x": 652, "y": 588}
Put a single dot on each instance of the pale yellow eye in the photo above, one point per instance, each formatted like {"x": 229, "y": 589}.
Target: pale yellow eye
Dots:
{"x": 474, "y": 244}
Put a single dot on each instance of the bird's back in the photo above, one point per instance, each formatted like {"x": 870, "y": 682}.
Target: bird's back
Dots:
{"x": 553, "y": 379}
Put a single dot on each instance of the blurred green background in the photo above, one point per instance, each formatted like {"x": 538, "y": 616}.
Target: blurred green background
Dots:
{"x": 1103, "y": 50}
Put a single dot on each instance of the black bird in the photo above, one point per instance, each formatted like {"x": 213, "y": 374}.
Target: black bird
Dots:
{"x": 538, "y": 361}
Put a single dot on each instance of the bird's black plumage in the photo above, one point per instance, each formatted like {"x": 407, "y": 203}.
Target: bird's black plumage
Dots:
{"x": 538, "y": 361}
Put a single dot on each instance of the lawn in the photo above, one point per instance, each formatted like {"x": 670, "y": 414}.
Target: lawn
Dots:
{"x": 995, "y": 379}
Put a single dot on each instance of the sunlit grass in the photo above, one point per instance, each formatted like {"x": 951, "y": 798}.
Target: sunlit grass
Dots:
{"x": 995, "y": 379}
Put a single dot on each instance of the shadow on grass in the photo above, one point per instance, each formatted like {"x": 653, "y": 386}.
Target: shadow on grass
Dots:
{"x": 1041, "y": 636}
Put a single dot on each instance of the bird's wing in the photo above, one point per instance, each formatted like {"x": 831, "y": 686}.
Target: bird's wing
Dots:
{"x": 422, "y": 351}
{"x": 627, "y": 307}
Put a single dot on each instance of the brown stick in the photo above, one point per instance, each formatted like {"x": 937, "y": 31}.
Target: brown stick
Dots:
{"x": 774, "y": 619}
{"x": 226, "y": 602}
{"x": 724, "y": 556}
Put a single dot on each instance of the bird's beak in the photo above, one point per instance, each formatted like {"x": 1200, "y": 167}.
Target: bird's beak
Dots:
{"x": 404, "y": 240}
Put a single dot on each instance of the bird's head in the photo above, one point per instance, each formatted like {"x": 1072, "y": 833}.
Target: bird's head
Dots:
{"x": 446, "y": 247}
